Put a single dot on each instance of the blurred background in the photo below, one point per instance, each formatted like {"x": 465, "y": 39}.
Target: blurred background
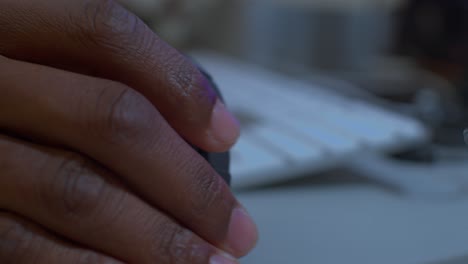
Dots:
{"x": 353, "y": 115}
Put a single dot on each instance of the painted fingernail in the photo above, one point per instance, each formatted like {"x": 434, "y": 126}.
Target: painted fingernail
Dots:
{"x": 224, "y": 126}
{"x": 222, "y": 259}
{"x": 242, "y": 234}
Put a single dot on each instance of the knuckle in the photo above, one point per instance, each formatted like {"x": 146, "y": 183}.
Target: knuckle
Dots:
{"x": 175, "y": 244}
{"x": 72, "y": 189}
{"x": 110, "y": 25}
{"x": 207, "y": 187}
{"x": 181, "y": 74}
{"x": 16, "y": 241}
{"x": 211, "y": 202}
{"x": 122, "y": 114}
{"x": 106, "y": 18}
{"x": 184, "y": 75}
{"x": 187, "y": 87}
{"x": 92, "y": 258}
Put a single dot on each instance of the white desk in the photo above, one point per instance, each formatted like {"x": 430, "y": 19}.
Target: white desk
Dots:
{"x": 354, "y": 223}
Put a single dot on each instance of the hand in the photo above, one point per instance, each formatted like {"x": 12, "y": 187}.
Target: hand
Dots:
{"x": 92, "y": 167}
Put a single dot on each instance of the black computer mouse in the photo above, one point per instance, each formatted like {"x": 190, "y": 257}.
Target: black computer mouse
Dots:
{"x": 219, "y": 161}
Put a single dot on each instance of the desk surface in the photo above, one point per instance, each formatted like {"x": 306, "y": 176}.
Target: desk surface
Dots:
{"x": 355, "y": 223}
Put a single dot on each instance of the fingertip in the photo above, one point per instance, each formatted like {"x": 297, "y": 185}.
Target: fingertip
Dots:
{"x": 223, "y": 258}
{"x": 242, "y": 234}
{"x": 224, "y": 129}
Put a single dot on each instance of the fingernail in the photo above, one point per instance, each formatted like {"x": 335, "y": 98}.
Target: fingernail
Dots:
{"x": 242, "y": 234}
{"x": 224, "y": 126}
{"x": 222, "y": 259}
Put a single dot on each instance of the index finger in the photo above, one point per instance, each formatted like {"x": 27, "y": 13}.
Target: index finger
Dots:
{"x": 103, "y": 39}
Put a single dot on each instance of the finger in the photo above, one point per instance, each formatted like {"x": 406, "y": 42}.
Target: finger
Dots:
{"x": 120, "y": 129}
{"x": 102, "y": 38}
{"x": 22, "y": 242}
{"x": 74, "y": 197}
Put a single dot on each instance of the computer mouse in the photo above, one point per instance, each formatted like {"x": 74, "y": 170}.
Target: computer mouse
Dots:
{"x": 219, "y": 161}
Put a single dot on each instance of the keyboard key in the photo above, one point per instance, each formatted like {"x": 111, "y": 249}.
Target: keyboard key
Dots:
{"x": 332, "y": 140}
{"x": 249, "y": 158}
{"x": 289, "y": 144}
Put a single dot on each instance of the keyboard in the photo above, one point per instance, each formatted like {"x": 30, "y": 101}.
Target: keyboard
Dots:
{"x": 294, "y": 127}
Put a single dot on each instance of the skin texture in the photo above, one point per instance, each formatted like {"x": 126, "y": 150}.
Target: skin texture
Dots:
{"x": 96, "y": 117}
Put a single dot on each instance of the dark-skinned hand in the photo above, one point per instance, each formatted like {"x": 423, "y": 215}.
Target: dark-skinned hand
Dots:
{"x": 97, "y": 119}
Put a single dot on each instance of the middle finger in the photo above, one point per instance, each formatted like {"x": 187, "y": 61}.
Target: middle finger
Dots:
{"x": 74, "y": 197}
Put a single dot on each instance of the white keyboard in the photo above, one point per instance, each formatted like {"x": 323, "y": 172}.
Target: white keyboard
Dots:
{"x": 292, "y": 127}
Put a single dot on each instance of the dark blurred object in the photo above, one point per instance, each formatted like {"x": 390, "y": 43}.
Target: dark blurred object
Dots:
{"x": 435, "y": 34}
{"x": 435, "y": 31}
